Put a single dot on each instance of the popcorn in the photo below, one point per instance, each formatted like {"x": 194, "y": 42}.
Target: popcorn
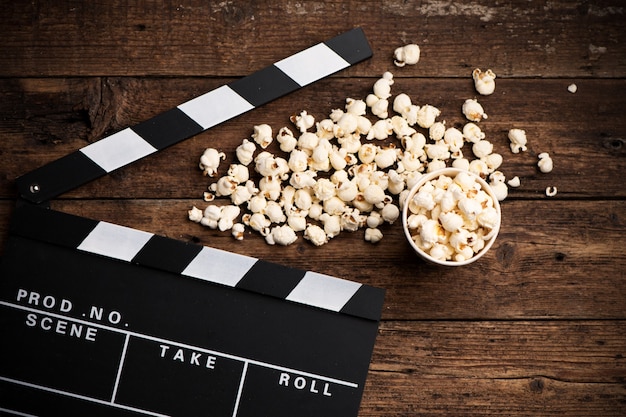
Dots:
{"x": 352, "y": 220}
{"x": 308, "y": 141}
{"x": 241, "y": 195}
{"x": 281, "y": 235}
{"x": 225, "y": 186}
{"x": 406, "y": 55}
{"x": 551, "y": 191}
{"x": 403, "y": 106}
{"x": 298, "y": 161}
{"x": 303, "y": 121}
{"x": 258, "y": 222}
{"x": 488, "y": 218}
{"x": 347, "y": 191}
{"x": 386, "y": 157}
{"x": 437, "y": 130}
{"x": 390, "y": 213}
{"x": 346, "y": 125}
{"x": 303, "y": 199}
{"x": 451, "y": 221}
{"x": 500, "y": 190}
{"x": 482, "y": 148}
{"x": 479, "y": 167}
{"x": 257, "y": 204}
{"x": 332, "y": 224}
{"x": 339, "y": 158}
{"x": 453, "y": 137}
{"x": 245, "y": 152}
{"x": 297, "y": 222}
{"x": 263, "y": 135}
{"x": 286, "y": 139}
{"x": 461, "y": 163}
{"x": 382, "y": 87}
{"x": 545, "y": 162}
{"x": 324, "y": 189}
{"x": 304, "y": 179}
{"x": 374, "y": 194}
{"x": 195, "y": 214}
{"x": 484, "y": 82}
{"x": 238, "y": 231}
{"x": 396, "y": 182}
{"x": 210, "y": 160}
{"x": 274, "y": 212}
{"x": 367, "y": 153}
{"x": 325, "y": 129}
{"x": 473, "y": 111}
{"x": 437, "y": 151}
{"x": 228, "y": 214}
{"x": 514, "y": 182}
{"x": 315, "y": 235}
{"x": 373, "y": 235}
{"x": 239, "y": 173}
{"x": 426, "y": 115}
{"x": 472, "y": 132}
{"x": 315, "y": 211}
{"x": 356, "y": 107}
{"x": 331, "y": 179}
{"x": 380, "y": 130}
{"x": 451, "y": 218}
{"x": 374, "y": 219}
{"x": 430, "y": 232}
{"x": 401, "y": 127}
{"x": 518, "y": 140}
{"x": 380, "y": 107}
{"x": 270, "y": 187}
{"x": 493, "y": 161}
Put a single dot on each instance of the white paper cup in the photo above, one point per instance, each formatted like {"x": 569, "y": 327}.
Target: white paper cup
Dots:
{"x": 450, "y": 172}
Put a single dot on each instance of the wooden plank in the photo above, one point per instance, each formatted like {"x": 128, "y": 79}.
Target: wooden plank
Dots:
{"x": 541, "y": 266}
{"x": 497, "y": 368}
{"x": 49, "y": 118}
{"x": 403, "y": 395}
{"x": 197, "y": 38}
{"x": 567, "y": 351}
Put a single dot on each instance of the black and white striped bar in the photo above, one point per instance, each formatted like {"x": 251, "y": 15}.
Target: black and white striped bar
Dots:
{"x": 194, "y": 116}
{"x": 196, "y": 261}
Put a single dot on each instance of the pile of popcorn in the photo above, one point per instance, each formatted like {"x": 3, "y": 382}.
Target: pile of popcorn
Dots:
{"x": 351, "y": 170}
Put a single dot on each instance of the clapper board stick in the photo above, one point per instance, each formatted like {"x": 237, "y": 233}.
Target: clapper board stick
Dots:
{"x": 194, "y": 116}
{"x": 100, "y": 319}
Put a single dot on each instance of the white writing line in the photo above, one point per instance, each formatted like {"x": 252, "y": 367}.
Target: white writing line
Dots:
{"x": 119, "y": 368}
{"x": 184, "y": 345}
{"x": 81, "y": 397}
{"x": 241, "y": 381}
{"x": 17, "y": 413}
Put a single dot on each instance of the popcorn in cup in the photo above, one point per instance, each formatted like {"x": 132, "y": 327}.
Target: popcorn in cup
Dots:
{"x": 451, "y": 217}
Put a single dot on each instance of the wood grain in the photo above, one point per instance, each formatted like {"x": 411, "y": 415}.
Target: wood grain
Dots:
{"x": 467, "y": 368}
{"x": 573, "y": 39}
{"x": 583, "y": 132}
{"x": 536, "y": 327}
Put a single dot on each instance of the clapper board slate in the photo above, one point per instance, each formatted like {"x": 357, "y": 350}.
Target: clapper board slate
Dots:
{"x": 99, "y": 319}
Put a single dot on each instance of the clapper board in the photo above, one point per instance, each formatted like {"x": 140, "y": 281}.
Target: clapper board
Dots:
{"x": 98, "y": 319}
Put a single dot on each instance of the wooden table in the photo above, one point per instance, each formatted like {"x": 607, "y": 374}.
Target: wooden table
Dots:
{"x": 536, "y": 327}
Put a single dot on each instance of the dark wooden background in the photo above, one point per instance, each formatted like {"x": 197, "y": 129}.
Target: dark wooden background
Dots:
{"x": 536, "y": 327}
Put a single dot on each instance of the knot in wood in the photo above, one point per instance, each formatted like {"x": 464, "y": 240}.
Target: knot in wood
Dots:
{"x": 536, "y": 385}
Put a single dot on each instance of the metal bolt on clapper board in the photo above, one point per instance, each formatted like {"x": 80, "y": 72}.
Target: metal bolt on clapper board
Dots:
{"x": 101, "y": 319}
